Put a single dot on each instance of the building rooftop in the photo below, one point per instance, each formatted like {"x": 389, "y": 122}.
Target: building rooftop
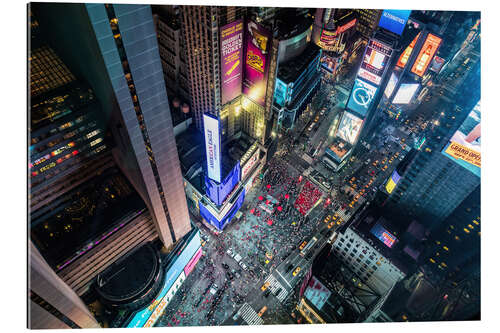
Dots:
{"x": 291, "y": 70}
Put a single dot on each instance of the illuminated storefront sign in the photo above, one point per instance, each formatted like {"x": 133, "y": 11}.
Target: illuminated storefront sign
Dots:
{"x": 330, "y": 37}
{"x": 257, "y": 50}
{"x": 464, "y": 146}
{"x": 403, "y": 58}
{"x": 392, "y": 182}
{"x": 349, "y": 127}
{"x": 63, "y": 148}
{"x": 427, "y": 51}
{"x": 361, "y": 97}
{"x": 375, "y": 60}
{"x": 383, "y": 235}
{"x": 405, "y": 93}
{"x": 40, "y": 160}
{"x": 394, "y": 20}
{"x": 212, "y": 146}
{"x": 231, "y": 44}
{"x": 249, "y": 164}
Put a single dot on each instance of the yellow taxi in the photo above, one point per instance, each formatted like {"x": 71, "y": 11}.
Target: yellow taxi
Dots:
{"x": 296, "y": 271}
{"x": 304, "y": 243}
{"x": 265, "y": 286}
{"x": 261, "y": 312}
{"x": 384, "y": 168}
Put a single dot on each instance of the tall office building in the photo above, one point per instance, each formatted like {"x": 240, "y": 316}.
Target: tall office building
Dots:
{"x": 367, "y": 21}
{"x": 120, "y": 41}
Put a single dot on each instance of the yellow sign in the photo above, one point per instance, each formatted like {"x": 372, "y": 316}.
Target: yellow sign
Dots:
{"x": 461, "y": 152}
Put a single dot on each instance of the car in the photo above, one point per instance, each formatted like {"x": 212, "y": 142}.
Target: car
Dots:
{"x": 265, "y": 286}
{"x": 225, "y": 266}
{"x": 384, "y": 168}
{"x": 245, "y": 267}
{"x": 304, "y": 243}
{"x": 229, "y": 252}
{"x": 296, "y": 271}
{"x": 261, "y": 312}
{"x": 229, "y": 275}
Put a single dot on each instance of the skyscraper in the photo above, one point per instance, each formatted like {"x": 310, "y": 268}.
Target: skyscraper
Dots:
{"x": 134, "y": 99}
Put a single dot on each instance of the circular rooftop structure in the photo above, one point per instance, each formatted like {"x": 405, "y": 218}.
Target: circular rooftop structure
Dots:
{"x": 133, "y": 281}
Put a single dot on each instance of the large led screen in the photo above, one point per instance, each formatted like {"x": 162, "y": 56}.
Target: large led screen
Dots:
{"x": 349, "y": 127}
{"x": 212, "y": 146}
{"x": 231, "y": 45}
{"x": 436, "y": 64}
{"x": 403, "y": 58}
{"x": 392, "y": 182}
{"x": 361, "y": 97}
{"x": 257, "y": 50}
{"x": 425, "y": 55}
{"x": 375, "y": 60}
{"x": 317, "y": 293}
{"x": 405, "y": 93}
{"x": 393, "y": 80}
{"x": 383, "y": 235}
{"x": 394, "y": 20}
{"x": 465, "y": 145}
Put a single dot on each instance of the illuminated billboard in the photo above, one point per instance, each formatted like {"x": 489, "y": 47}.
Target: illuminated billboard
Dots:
{"x": 465, "y": 145}
{"x": 394, "y": 20}
{"x": 383, "y": 235}
{"x": 349, "y": 127}
{"x": 436, "y": 64}
{"x": 393, "y": 80}
{"x": 329, "y": 63}
{"x": 214, "y": 220}
{"x": 257, "y": 50}
{"x": 392, "y": 182}
{"x": 212, "y": 146}
{"x": 375, "y": 60}
{"x": 245, "y": 170}
{"x": 231, "y": 48}
{"x": 331, "y": 37}
{"x": 337, "y": 151}
{"x": 403, "y": 58}
{"x": 405, "y": 93}
{"x": 218, "y": 192}
{"x": 361, "y": 97}
{"x": 317, "y": 293}
{"x": 425, "y": 55}
{"x": 280, "y": 92}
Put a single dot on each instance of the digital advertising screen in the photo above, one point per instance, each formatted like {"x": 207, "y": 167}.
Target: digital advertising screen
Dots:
{"x": 337, "y": 152}
{"x": 465, "y": 145}
{"x": 392, "y": 182}
{"x": 375, "y": 60}
{"x": 212, "y": 146}
{"x": 280, "y": 92}
{"x": 389, "y": 88}
{"x": 383, "y": 235}
{"x": 403, "y": 58}
{"x": 328, "y": 37}
{"x": 349, "y": 127}
{"x": 426, "y": 54}
{"x": 405, "y": 93}
{"x": 218, "y": 192}
{"x": 317, "y": 293}
{"x": 329, "y": 64}
{"x": 257, "y": 50}
{"x": 394, "y": 20}
{"x": 436, "y": 64}
{"x": 361, "y": 97}
{"x": 231, "y": 48}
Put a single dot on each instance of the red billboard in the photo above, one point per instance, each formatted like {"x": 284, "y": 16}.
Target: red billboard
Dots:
{"x": 403, "y": 59}
{"x": 231, "y": 45}
{"x": 257, "y": 49}
{"x": 427, "y": 51}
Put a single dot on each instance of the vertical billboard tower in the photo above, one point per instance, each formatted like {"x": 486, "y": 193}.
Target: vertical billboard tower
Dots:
{"x": 212, "y": 146}
{"x": 231, "y": 46}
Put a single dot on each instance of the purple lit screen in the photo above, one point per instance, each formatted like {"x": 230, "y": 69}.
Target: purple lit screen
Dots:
{"x": 231, "y": 44}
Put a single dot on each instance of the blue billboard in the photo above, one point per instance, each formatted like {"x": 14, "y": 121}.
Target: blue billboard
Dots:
{"x": 219, "y": 192}
{"x": 383, "y": 235}
{"x": 361, "y": 97}
{"x": 176, "y": 267}
{"x": 212, "y": 146}
{"x": 394, "y": 20}
{"x": 209, "y": 217}
{"x": 280, "y": 92}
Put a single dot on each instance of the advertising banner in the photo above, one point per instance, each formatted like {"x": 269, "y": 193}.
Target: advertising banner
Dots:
{"x": 393, "y": 80}
{"x": 192, "y": 263}
{"x": 231, "y": 48}
{"x": 427, "y": 51}
{"x": 317, "y": 293}
{"x": 212, "y": 146}
{"x": 392, "y": 182}
{"x": 257, "y": 49}
{"x": 405, "y": 93}
{"x": 249, "y": 164}
{"x": 361, "y": 97}
{"x": 465, "y": 145}
{"x": 436, "y": 64}
{"x": 376, "y": 58}
{"x": 329, "y": 64}
{"x": 218, "y": 192}
{"x": 403, "y": 58}
{"x": 394, "y": 20}
{"x": 280, "y": 92}
{"x": 383, "y": 235}
{"x": 349, "y": 127}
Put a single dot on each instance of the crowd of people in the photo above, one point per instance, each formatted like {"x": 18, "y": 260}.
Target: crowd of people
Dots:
{"x": 309, "y": 195}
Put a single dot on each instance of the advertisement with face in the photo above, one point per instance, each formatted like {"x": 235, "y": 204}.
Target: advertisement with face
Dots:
{"x": 465, "y": 145}
{"x": 405, "y": 93}
{"x": 212, "y": 146}
{"x": 425, "y": 55}
{"x": 394, "y": 20}
{"x": 349, "y": 127}
{"x": 361, "y": 97}
{"x": 231, "y": 48}
{"x": 376, "y": 57}
{"x": 257, "y": 50}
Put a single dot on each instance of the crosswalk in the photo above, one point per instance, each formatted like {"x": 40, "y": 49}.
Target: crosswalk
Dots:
{"x": 274, "y": 286}
{"x": 249, "y": 315}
